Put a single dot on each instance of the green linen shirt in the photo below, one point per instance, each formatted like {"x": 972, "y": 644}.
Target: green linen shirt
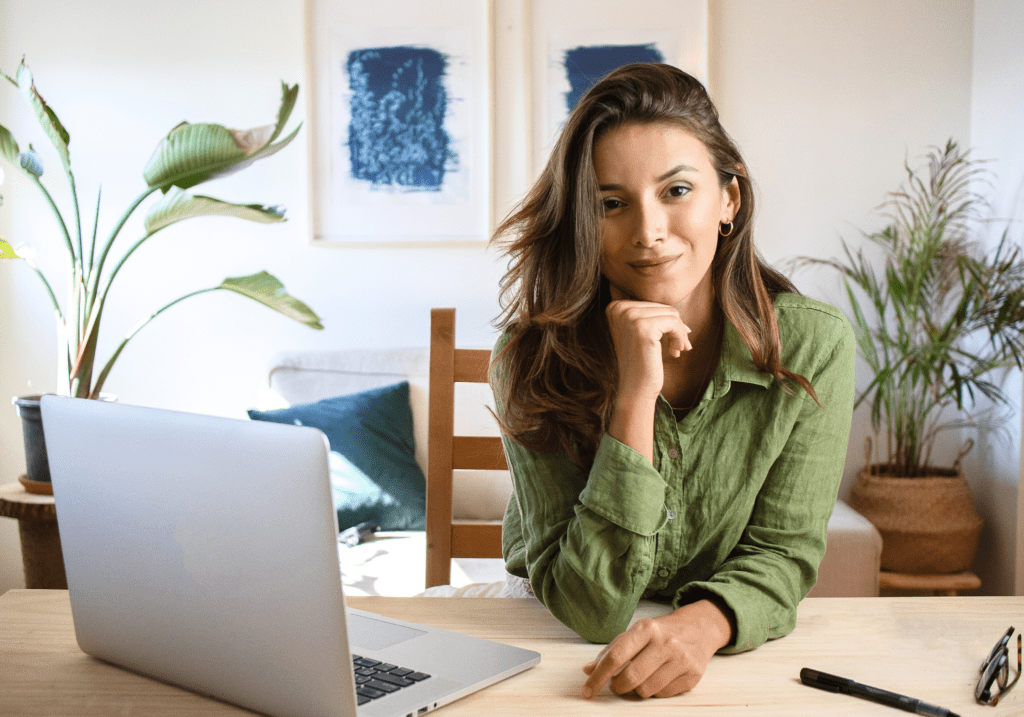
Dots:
{"x": 736, "y": 503}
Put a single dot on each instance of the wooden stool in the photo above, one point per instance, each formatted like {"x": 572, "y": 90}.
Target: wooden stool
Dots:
{"x": 939, "y": 584}
{"x": 40, "y": 539}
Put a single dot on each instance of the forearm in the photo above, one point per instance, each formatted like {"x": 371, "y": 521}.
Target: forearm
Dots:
{"x": 713, "y": 618}
{"x": 632, "y": 424}
{"x": 587, "y": 541}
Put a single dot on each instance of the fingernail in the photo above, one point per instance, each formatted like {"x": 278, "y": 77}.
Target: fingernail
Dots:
{"x": 587, "y": 693}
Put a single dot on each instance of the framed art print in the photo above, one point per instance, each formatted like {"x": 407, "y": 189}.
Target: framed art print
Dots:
{"x": 399, "y": 130}
{"x": 574, "y": 44}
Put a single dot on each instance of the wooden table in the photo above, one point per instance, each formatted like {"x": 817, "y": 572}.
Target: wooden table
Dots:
{"x": 928, "y": 648}
{"x": 40, "y": 539}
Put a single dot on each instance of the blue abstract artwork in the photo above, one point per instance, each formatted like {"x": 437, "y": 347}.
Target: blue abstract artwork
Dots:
{"x": 396, "y": 135}
{"x": 584, "y": 66}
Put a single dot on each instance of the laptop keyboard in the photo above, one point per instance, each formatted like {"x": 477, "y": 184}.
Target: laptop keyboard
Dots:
{"x": 375, "y": 679}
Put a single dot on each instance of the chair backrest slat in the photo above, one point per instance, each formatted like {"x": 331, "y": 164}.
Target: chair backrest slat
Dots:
{"x": 447, "y": 539}
{"x": 471, "y": 365}
{"x": 478, "y": 453}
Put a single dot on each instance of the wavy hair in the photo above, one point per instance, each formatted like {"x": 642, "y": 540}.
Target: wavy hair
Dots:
{"x": 556, "y": 375}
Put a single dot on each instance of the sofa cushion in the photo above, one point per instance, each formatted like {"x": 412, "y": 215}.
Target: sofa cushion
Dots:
{"x": 306, "y": 376}
{"x": 374, "y": 471}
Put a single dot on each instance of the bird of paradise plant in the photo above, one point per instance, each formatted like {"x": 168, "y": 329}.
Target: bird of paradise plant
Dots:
{"x": 189, "y": 155}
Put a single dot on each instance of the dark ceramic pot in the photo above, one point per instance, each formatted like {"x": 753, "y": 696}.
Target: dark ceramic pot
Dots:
{"x": 36, "y": 463}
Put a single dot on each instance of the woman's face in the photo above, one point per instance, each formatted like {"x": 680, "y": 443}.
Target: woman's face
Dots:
{"x": 662, "y": 209}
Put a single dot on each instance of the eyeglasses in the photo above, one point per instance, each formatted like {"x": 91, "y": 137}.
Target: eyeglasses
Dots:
{"x": 996, "y": 668}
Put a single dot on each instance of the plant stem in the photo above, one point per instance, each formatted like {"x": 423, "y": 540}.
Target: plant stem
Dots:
{"x": 110, "y": 364}
{"x": 99, "y": 298}
{"x": 95, "y": 275}
{"x": 78, "y": 215}
{"x": 95, "y": 227}
{"x": 49, "y": 289}
{"x": 60, "y": 220}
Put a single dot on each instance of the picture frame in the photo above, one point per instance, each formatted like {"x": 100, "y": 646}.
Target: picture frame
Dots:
{"x": 398, "y": 122}
{"x": 508, "y": 72}
{"x": 572, "y": 46}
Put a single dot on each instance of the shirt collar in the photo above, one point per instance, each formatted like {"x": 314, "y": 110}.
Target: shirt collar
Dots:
{"x": 736, "y": 363}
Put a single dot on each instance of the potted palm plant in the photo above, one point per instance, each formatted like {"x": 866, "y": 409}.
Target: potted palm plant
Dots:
{"x": 936, "y": 320}
{"x": 189, "y": 155}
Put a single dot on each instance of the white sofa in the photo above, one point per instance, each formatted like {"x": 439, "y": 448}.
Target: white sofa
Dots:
{"x": 393, "y": 563}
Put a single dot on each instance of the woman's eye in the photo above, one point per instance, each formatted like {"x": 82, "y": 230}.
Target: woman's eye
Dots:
{"x": 610, "y": 204}
{"x": 678, "y": 190}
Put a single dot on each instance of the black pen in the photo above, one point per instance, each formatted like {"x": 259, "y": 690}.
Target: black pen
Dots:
{"x": 832, "y": 683}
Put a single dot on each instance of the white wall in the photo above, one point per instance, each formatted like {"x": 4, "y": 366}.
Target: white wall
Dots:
{"x": 997, "y": 106}
{"x": 825, "y": 99}
{"x": 827, "y": 124}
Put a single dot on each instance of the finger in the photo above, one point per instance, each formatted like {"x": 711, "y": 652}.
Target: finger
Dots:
{"x": 589, "y": 667}
{"x": 595, "y": 683}
{"x": 604, "y": 668}
{"x": 676, "y": 342}
{"x": 683, "y": 683}
{"x": 668, "y": 679}
{"x": 613, "y": 659}
{"x": 652, "y": 663}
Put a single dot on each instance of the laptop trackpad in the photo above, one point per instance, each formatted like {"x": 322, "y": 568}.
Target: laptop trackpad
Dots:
{"x": 373, "y": 634}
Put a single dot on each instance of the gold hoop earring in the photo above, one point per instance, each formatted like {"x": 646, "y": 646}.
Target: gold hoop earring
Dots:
{"x": 721, "y": 229}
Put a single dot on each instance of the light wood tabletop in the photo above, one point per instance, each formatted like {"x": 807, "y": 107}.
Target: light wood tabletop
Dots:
{"x": 927, "y": 648}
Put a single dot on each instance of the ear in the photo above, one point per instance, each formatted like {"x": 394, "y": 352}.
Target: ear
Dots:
{"x": 730, "y": 201}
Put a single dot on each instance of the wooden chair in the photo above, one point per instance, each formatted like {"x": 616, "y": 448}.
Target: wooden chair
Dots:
{"x": 448, "y": 538}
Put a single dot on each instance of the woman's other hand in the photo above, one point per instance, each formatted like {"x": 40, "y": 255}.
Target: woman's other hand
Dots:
{"x": 663, "y": 656}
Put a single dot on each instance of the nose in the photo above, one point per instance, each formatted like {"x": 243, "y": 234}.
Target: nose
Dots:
{"x": 651, "y": 223}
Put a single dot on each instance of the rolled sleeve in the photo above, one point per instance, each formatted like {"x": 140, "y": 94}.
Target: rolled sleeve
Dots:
{"x": 637, "y": 504}
{"x": 589, "y": 537}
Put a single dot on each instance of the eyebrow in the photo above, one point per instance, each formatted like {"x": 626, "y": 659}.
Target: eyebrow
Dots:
{"x": 675, "y": 170}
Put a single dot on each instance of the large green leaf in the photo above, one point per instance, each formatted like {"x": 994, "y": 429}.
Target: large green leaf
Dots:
{"x": 178, "y": 204}
{"x": 288, "y": 97}
{"x": 194, "y": 153}
{"x": 266, "y": 289}
{"x": 46, "y": 116}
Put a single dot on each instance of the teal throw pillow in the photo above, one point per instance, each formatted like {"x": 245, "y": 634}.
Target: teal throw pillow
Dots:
{"x": 374, "y": 473}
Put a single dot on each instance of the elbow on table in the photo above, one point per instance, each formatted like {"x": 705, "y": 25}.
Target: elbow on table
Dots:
{"x": 589, "y": 622}
{"x": 599, "y": 634}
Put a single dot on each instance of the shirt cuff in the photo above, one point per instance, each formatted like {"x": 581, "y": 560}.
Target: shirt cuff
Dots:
{"x": 752, "y": 628}
{"x": 625, "y": 489}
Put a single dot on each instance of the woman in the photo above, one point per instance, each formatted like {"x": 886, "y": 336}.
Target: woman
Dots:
{"x": 675, "y": 415}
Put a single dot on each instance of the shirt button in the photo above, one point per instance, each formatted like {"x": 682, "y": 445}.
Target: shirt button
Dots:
{"x": 671, "y": 514}
{"x": 673, "y": 452}
{"x": 663, "y": 572}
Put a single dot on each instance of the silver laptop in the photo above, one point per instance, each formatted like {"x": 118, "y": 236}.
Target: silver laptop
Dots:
{"x": 202, "y": 551}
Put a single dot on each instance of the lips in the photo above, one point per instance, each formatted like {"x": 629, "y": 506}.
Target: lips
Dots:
{"x": 652, "y": 265}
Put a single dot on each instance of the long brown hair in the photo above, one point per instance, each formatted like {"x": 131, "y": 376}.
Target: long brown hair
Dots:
{"x": 556, "y": 376}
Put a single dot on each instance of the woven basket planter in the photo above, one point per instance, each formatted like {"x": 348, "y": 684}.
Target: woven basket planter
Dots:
{"x": 928, "y": 524}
